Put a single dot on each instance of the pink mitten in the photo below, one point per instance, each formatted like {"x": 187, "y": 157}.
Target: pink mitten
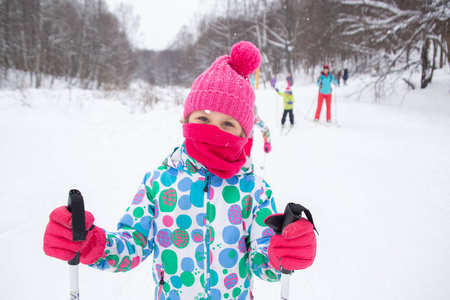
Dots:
{"x": 58, "y": 238}
{"x": 267, "y": 147}
{"x": 295, "y": 248}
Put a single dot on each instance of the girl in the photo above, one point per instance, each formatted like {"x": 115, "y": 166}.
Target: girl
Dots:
{"x": 201, "y": 213}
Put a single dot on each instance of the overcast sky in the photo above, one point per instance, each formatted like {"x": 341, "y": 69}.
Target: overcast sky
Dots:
{"x": 160, "y": 21}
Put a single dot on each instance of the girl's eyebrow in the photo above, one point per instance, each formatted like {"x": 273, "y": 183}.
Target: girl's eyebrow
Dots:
{"x": 232, "y": 120}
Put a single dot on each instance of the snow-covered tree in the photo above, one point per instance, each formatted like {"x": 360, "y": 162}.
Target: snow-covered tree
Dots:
{"x": 79, "y": 40}
{"x": 395, "y": 36}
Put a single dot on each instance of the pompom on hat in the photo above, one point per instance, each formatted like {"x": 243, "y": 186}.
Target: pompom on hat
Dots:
{"x": 224, "y": 87}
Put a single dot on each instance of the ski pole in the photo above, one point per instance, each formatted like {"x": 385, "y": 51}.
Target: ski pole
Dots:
{"x": 312, "y": 103}
{"x": 292, "y": 212}
{"x": 335, "y": 107}
{"x": 263, "y": 166}
{"x": 276, "y": 109}
{"x": 75, "y": 205}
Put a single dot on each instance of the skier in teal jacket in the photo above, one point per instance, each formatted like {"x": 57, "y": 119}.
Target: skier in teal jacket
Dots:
{"x": 324, "y": 83}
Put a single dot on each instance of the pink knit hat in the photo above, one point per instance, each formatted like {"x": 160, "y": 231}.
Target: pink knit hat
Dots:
{"x": 224, "y": 87}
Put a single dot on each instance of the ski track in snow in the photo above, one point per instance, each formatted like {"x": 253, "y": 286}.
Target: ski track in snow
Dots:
{"x": 377, "y": 187}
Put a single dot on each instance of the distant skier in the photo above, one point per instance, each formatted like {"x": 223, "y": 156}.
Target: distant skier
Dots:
{"x": 324, "y": 83}
{"x": 273, "y": 81}
{"x": 290, "y": 80}
{"x": 265, "y": 133}
{"x": 252, "y": 80}
{"x": 345, "y": 76}
{"x": 338, "y": 77}
{"x": 288, "y": 99}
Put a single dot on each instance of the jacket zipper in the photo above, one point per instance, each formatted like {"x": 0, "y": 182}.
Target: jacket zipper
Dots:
{"x": 208, "y": 183}
{"x": 161, "y": 284}
{"x": 207, "y": 193}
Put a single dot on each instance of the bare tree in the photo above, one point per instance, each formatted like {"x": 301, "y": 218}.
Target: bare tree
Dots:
{"x": 283, "y": 28}
{"x": 78, "y": 39}
{"x": 390, "y": 33}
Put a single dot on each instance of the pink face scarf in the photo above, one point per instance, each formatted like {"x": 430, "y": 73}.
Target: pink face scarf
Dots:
{"x": 219, "y": 151}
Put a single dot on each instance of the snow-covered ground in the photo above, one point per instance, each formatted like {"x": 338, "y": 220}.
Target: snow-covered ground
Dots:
{"x": 378, "y": 187}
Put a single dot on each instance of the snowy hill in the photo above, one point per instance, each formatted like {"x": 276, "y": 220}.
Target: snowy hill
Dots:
{"x": 377, "y": 187}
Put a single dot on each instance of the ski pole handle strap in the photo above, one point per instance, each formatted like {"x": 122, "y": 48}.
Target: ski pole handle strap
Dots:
{"x": 293, "y": 212}
{"x": 75, "y": 205}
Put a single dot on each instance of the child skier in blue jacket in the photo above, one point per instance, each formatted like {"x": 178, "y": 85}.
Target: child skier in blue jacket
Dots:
{"x": 324, "y": 83}
{"x": 201, "y": 213}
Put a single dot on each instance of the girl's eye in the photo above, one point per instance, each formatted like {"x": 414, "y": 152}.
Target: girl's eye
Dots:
{"x": 203, "y": 119}
{"x": 228, "y": 124}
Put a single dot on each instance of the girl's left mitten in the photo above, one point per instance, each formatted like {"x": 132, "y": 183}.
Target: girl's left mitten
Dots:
{"x": 295, "y": 248}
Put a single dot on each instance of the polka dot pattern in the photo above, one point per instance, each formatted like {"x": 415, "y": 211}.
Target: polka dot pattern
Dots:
{"x": 192, "y": 232}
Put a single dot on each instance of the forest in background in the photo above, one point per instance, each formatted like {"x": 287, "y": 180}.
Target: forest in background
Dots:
{"x": 87, "y": 45}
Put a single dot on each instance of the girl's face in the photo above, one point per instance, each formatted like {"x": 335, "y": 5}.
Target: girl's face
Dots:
{"x": 325, "y": 71}
{"x": 223, "y": 121}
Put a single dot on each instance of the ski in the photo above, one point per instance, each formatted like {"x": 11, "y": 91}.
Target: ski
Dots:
{"x": 318, "y": 123}
{"x": 327, "y": 124}
{"x": 289, "y": 130}
{"x": 334, "y": 124}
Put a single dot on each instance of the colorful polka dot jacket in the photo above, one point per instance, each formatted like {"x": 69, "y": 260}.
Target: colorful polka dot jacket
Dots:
{"x": 207, "y": 234}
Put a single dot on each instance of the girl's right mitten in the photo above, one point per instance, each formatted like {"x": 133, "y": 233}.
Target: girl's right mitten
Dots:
{"x": 58, "y": 241}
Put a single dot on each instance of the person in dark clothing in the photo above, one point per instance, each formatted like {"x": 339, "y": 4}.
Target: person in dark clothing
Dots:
{"x": 338, "y": 77}
{"x": 345, "y": 76}
{"x": 290, "y": 80}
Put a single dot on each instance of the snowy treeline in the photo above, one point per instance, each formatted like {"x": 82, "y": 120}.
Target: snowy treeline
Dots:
{"x": 82, "y": 40}
{"x": 79, "y": 40}
{"x": 378, "y": 37}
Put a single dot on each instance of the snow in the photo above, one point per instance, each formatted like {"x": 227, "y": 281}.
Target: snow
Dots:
{"x": 377, "y": 187}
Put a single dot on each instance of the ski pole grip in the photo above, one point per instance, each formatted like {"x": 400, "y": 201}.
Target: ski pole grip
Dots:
{"x": 292, "y": 212}
{"x": 75, "y": 205}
